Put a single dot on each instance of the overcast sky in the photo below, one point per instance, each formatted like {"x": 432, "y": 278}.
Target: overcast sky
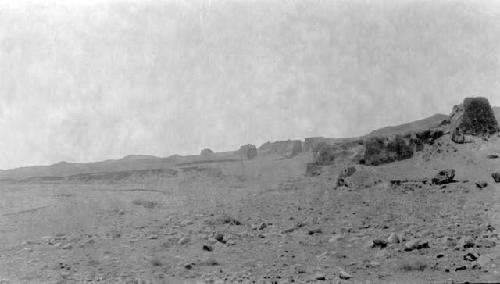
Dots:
{"x": 91, "y": 80}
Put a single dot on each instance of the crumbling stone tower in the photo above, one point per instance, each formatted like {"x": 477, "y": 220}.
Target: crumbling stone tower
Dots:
{"x": 473, "y": 117}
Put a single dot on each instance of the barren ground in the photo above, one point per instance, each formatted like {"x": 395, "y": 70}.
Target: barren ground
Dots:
{"x": 262, "y": 221}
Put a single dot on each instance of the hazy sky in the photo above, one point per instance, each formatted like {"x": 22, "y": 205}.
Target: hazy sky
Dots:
{"x": 91, "y": 80}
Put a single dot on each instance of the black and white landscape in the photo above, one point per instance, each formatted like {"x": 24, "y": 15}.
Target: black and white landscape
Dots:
{"x": 248, "y": 141}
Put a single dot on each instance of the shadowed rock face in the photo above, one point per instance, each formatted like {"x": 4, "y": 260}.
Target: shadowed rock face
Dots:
{"x": 473, "y": 117}
{"x": 385, "y": 150}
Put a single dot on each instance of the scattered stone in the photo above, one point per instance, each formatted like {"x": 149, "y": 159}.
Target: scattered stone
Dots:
{"x": 492, "y": 156}
{"x": 183, "y": 241}
{"x": 487, "y": 243}
{"x": 337, "y": 238}
{"x": 315, "y": 231}
{"x": 444, "y": 176}
{"x": 189, "y": 266}
{"x": 219, "y": 237}
{"x": 471, "y": 256}
{"x": 262, "y": 226}
{"x": 466, "y": 242}
{"x": 496, "y": 177}
{"x": 378, "y": 243}
{"x": 481, "y": 184}
{"x": 394, "y": 238}
{"x": 320, "y": 276}
{"x": 343, "y": 274}
{"x": 300, "y": 269}
{"x": 208, "y": 248}
{"x": 67, "y": 246}
{"x": 416, "y": 244}
{"x": 463, "y": 267}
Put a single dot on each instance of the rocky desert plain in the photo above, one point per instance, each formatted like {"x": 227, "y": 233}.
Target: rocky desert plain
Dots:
{"x": 414, "y": 203}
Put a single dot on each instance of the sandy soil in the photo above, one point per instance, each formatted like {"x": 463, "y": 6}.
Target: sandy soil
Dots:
{"x": 263, "y": 221}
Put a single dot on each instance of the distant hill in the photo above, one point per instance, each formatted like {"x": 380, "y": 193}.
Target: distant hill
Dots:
{"x": 127, "y": 163}
{"x": 149, "y": 162}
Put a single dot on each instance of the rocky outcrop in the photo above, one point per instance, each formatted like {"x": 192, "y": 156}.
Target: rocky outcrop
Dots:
{"x": 289, "y": 148}
{"x": 206, "y": 152}
{"x": 382, "y": 150}
{"x": 473, "y": 117}
{"x": 379, "y": 150}
{"x": 248, "y": 152}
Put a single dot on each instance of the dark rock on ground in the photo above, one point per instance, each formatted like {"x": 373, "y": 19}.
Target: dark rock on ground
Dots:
{"x": 444, "y": 176}
{"x": 492, "y": 156}
{"x": 496, "y": 177}
{"x": 466, "y": 242}
{"x": 481, "y": 184}
{"x": 416, "y": 244}
{"x": 378, "y": 243}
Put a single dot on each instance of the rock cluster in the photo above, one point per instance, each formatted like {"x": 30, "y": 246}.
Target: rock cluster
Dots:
{"x": 382, "y": 150}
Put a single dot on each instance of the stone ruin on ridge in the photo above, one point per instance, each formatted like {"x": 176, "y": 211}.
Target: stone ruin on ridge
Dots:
{"x": 473, "y": 117}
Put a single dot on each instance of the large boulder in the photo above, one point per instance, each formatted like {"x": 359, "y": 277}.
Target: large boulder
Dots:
{"x": 473, "y": 117}
{"x": 248, "y": 152}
